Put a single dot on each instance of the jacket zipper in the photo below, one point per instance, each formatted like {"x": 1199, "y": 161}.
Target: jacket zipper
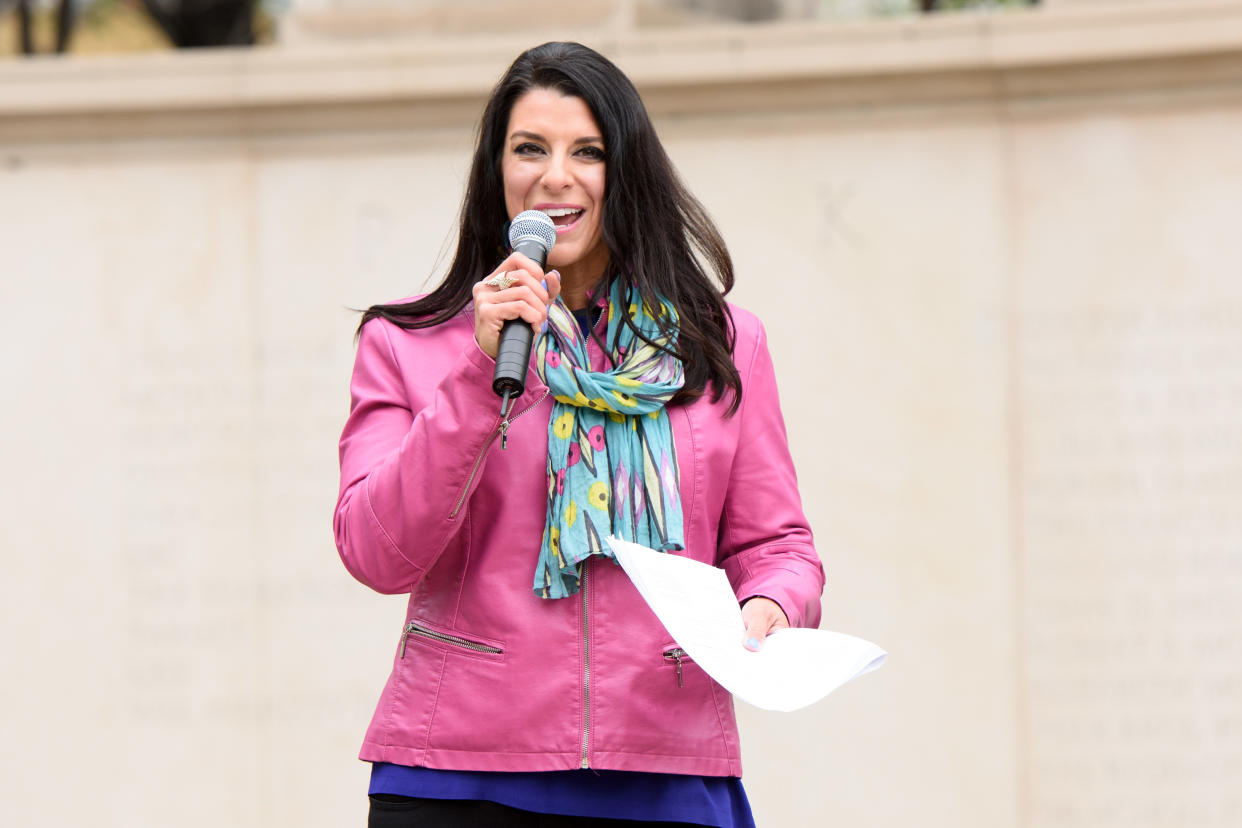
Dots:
{"x": 586, "y": 639}
{"x": 499, "y": 427}
{"x": 414, "y": 628}
{"x": 586, "y": 664}
{"x": 677, "y": 654}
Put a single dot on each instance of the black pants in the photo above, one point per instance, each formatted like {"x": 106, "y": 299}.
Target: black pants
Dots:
{"x": 390, "y": 811}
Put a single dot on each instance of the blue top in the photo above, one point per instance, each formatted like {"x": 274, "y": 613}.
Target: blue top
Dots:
{"x": 700, "y": 800}
{"x": 586, "y": 319}
{"x": 651, "y": 797}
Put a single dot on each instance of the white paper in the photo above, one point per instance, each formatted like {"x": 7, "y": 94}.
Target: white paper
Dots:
{"x": 793, "y": 669}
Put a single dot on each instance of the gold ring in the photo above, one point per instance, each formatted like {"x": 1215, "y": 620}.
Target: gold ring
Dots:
{"x": 501, "y": 280}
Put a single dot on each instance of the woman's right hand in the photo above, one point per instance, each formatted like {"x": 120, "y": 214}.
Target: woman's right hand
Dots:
{"x": 527, "y": 299}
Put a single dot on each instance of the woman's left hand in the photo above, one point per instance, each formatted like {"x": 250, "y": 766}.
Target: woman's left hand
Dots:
{"x": 762, "y": 616}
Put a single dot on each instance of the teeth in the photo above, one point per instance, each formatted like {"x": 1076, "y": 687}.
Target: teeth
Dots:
{"x": 555, "y": 212}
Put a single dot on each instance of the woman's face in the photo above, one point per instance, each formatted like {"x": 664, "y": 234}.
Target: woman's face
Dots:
{"x": 554, "y": 161}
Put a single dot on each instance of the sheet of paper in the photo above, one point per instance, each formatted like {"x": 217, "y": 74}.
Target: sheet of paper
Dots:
{"x": 793, "y": 669}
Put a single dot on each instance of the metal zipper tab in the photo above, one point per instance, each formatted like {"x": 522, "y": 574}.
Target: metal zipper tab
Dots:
{"x": 506, "y": 406}
{"x": 416, "y": 629}
{"x": 677, "y": 654}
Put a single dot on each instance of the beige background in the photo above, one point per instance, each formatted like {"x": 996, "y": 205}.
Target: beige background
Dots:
{"x": 998, "y": 260}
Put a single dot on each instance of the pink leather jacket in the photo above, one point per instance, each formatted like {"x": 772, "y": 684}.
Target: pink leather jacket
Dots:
{"x": 485, "y": 675}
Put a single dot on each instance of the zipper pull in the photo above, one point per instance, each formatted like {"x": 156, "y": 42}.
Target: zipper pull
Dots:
{"x": 505, "y": 409}
{"x": 676, "y": 656}
{"x": 405, "y": 634}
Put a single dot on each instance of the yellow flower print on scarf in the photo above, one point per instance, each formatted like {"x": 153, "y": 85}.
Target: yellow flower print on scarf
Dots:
{"x": 554, "y": 541}
{"x": 625, "y": 399}
{"x": 597, "y": 495}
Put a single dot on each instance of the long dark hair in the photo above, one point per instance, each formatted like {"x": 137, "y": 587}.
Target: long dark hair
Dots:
{"x": 652, "y": 225}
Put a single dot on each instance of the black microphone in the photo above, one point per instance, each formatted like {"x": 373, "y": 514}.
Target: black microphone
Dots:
{"x": 532, "y": 234}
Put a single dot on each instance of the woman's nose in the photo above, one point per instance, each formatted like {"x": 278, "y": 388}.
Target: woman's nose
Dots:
{"x": 556, "y": 175}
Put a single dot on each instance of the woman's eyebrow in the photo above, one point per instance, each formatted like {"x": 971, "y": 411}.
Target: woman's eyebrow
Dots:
{"x": 535, "y": 136}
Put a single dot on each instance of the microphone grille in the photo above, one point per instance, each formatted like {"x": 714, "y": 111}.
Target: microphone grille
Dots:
{"x": 532, "y": 224}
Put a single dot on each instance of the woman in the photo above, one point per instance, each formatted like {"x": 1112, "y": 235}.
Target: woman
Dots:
{"x": 531, "y": 685}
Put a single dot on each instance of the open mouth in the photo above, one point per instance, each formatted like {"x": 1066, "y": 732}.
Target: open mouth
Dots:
{"x": 564, "y": 217}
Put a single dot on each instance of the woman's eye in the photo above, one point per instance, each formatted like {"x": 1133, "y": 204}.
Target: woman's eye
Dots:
{"x": 594, "y": 153}
{"x": 527, "y": 149}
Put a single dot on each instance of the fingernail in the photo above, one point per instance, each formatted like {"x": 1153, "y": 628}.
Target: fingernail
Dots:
{"x": 543, "y": 329}
{"x": 544, "y": 283}
{"x": 557, "y": 272}
{"x": 752, "y": 644}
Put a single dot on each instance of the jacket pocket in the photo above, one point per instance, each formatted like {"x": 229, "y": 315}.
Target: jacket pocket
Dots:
{"x": 674, "y": 655}
{"x": 419, "y": 630}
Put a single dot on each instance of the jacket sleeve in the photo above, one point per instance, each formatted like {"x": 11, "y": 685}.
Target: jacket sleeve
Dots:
{"x": 405, "y": 473}
{"x": 765, "y": 541}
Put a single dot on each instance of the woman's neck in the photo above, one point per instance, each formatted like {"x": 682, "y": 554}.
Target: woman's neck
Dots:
{"x": 576, "y": 289}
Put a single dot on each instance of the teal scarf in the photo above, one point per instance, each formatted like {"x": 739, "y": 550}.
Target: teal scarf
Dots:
{"x": 612, "y": 465}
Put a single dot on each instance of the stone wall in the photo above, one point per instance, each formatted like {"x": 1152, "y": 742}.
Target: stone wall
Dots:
{"x": 996, "y": 258}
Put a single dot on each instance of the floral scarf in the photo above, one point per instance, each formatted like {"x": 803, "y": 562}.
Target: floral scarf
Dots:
{"x": 612, "y": 465}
